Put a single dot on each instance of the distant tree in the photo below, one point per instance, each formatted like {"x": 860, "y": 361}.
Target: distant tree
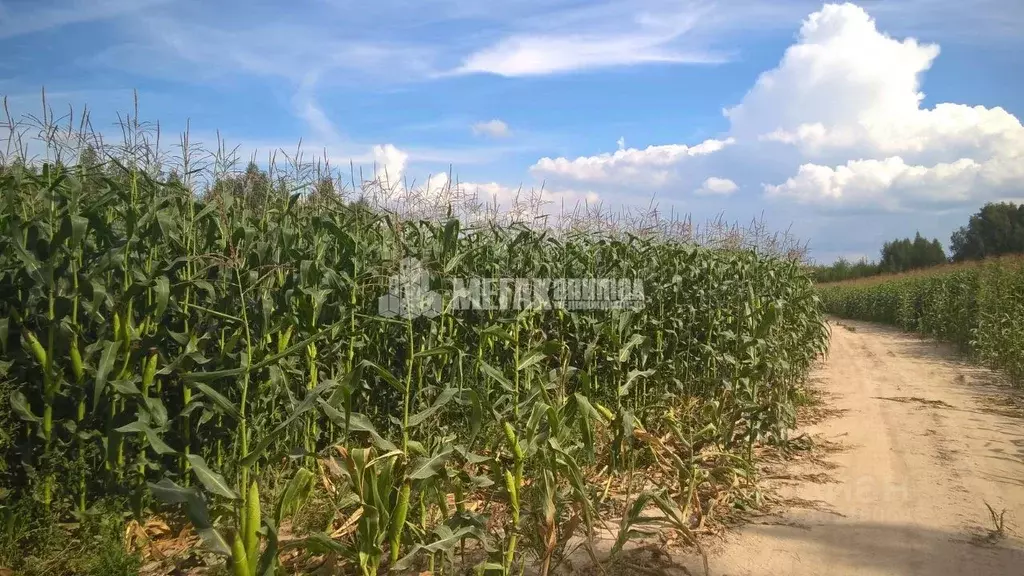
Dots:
{"x": 897, "y": 256}
{"x": 255, "y": 187}
{"x": 174, "y": 180}
{"x": 863, "y": 268}
{"x": 324, "y": 190}
{"x": 998, "y": 228}
{"x": 906, "y": 254}
{"x": 88, "y": 158}
{"x": 842, "y": 269}
{"x": 252, "y": 188}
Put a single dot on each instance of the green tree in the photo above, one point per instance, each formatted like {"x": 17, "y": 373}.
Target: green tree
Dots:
{"x": 88, "y": 158}
{"x": 998, "y": 228}
{"x": 897, "y": 255}
{"x": 906, "y": 254}
{"x": 843, "y": 269}
{"x": 252, "y": 188}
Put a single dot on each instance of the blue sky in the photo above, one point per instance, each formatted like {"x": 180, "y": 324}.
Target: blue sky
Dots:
{"x": 849, "y": 124}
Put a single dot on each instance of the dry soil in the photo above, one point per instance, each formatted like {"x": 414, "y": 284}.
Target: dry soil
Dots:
{"x": 921, "y": 442}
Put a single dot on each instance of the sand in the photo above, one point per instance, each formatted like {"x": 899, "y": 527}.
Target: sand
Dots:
{"x": 920, "y": 442}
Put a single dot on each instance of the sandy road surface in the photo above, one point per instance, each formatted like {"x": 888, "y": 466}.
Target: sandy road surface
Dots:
{"x": 921, "y": 442}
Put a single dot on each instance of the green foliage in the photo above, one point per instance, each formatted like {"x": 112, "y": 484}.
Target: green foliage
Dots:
{"x": 842, "y": 269}
{"x": 907, "y": 254}
{"x": 998, "y": 228}
{"x": 897, "y": 256}
{"x": 979, "y": 308}
{"x": 168, "y": 350}
{"x": 33, "y": 543}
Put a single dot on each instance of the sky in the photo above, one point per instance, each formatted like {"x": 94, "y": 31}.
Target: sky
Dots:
{"x": 846, "y": 124}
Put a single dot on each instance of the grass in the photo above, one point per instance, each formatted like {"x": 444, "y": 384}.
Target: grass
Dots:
{"x": 40, "y": 545}
{"x": 998, "y": 530}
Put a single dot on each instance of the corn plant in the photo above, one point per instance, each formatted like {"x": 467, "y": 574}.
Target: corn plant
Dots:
{"x": 975, "y": 306}
{"x": 174, "y": 340}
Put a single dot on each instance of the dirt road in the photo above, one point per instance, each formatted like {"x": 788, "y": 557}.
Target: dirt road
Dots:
{"x": 919, "y": 443}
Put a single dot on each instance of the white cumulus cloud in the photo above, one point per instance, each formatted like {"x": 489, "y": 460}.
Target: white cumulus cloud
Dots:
{"x": 847, "y": 97}
{"x": 389, "y": 163}
{"x": 846, "y": 85}
{"x": 436, "y": 183}
{"x": 652, "y": 166}
{"x": 839, "y": 122}
{"x": 717, "y": 186}
{"x": 489, "y": 192}
{"x": 530, "y": 201}
{"x": 494, "y": 128}
{"x": 893, "y": 184}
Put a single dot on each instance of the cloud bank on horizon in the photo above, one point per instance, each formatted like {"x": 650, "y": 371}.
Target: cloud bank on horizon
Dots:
{"x": 846, "y": 100}
{"x": 833, "y": 134}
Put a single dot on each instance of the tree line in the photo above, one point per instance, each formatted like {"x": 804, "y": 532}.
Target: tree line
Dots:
{"x": 996, "y": 229}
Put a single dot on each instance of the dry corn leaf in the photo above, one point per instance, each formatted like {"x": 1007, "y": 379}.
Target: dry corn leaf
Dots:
{"x": 348, "y": 525}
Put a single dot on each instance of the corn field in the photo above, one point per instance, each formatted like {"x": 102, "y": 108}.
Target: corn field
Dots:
{"x": 216, "y": 352}
{"x": 979, "y": 307}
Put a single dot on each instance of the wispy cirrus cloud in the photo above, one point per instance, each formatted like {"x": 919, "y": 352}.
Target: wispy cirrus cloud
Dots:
{"x": 602, "y": 35}
{"x": 542, "y": 55}
{"x": 308, "y": 108}
{"x": 21, "y": 18}
{"x": 162, "y": 44}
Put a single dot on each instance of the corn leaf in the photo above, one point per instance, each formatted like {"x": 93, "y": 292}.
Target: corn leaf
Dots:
{"x": 211, "y": 480}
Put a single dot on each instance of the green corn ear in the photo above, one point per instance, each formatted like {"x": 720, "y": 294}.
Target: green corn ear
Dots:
{"x": 513, "y": 495}
{"x": 604, "y": 411}
{"x": 239, "y": 562}
{"x": 511, "y": 551}
{"x": 126, "y": 331}
{"x": 284, "y": 339}
{"x": 252, "y": 524}
{"x": 398, "y": 520}
{"x": 460, "y": 504}
{"x": 76, "y": 363}
{"x": 117, "y": 326}
{"x": 510, "y": 436}
{"x": 36, "y": 348}
{"x": 517, "y": 453}
{"x": 148, "y": 373}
